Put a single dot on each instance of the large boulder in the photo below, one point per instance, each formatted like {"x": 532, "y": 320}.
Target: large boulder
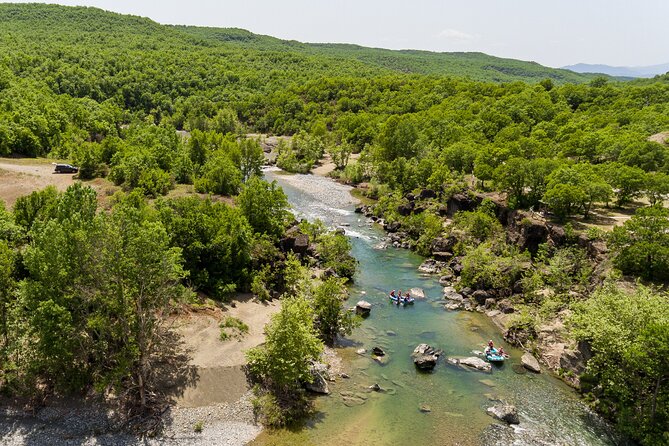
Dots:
{"x": 363, "y": 308}
{"x": 474, "y": 363}
{"x": 425, "y": 357}
{"x": 505, "y": 306}
{"x": 427, "y": 193}
{"x": 480, "y": 296}
{"x": 451, "y": 294}
{"x": 393, "y": 227}
{"x": 431, "y": 266}
{"x": 530, "y": 363}
{"x": 301, "y": 244}
{"x": 417, "y": 293}
{"x": 405, "y": 209}
{"x": 319, "y": 373}
{"x": 443, "y": 244}
{"x": 504, "y": 412}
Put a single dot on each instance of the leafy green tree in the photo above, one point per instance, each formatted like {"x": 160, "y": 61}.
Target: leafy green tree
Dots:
{"x": 628, "y": 182}
{"x": 39, "y": 205}
{"x": 641, "y": 244}
{"x": 251, "y": 158}
{"x": 629, "y": 335}
{"x": 398, "y": 137}
{"x": 330, "y": 317}
{"x": 340, "y": 154}
{"x": 219, "y": 176}
{"x": 283, "y": 362}
{"x": 7, "y": 288}
{"x": 335, "y": 253}
{"x": 657, "y": 187}
{"x": 264, "y": 205}
{"x": 215, "y": 240}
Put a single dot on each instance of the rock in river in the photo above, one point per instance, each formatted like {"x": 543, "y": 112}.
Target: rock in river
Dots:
{"x": 530, "y": 363}
{"x": 363, "y": 308}
{"x": 504, "y": 412}
{"x": 425, "y": 357}
{"x": 378, "y": 351}
{"x": 417, "y": 293}
{"x": 473, "y": 362}
{"x": 319, "y": 384}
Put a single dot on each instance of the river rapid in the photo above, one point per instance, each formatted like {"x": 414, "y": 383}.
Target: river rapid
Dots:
{"x": 550, "y": 412}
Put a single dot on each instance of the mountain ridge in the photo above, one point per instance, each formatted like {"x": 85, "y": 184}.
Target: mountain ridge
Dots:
{"x": 646, "y": 71}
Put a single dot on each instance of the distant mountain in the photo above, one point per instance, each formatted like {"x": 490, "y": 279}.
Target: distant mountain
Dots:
{"x": 648, "y": 71}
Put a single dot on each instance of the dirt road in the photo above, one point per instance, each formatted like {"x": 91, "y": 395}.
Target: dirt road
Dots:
{"x": 20, "y": 177}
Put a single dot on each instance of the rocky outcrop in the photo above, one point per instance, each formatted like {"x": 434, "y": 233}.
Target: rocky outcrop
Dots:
{"x": 425, "y": 357}
{"x": 462, "y": 202}
{"x": 530, "y": 363}
{"x": 363, "y": 308}
{"x": 504, "y": 412}
{"x": 431, "y": 266}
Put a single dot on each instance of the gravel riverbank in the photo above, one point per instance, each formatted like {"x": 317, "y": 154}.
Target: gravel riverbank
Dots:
{"x": 63, "y": 425}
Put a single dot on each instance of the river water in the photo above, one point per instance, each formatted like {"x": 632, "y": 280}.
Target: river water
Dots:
{"x": 550, "y": 412}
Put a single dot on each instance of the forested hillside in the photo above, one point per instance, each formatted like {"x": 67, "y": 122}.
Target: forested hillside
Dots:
{"x": 110, "y": 92}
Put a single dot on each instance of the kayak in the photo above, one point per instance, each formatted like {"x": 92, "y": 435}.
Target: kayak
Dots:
{"x": 494, "y": 356}
{"x": 403, "y": 300}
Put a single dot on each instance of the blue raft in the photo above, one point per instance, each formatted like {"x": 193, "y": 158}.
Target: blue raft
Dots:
{"x": 402, "y": 300}
{"x": 493, "y": 355}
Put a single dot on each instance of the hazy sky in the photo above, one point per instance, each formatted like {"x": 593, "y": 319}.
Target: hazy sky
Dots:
{"x": 553, "y": 33}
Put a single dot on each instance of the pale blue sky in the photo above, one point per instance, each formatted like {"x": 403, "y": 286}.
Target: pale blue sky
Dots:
{"x": 553, "y": 33}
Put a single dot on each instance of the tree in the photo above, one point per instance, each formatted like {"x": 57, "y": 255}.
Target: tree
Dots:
{"x": 340, "y": 153}
{"x": 215, "y": 240}
{"x": 251, "y": 158}
{"x": 7, "y": 286}
{"x": 627, "y": 181}
{"x": 641, "y": 244}
{"x": 283, "y": 362}
{"x": 330, "y": 316}
{"x": 264, "y": 205}
{"x": 219, "y": 176}
{"x": 657, "y": 187}
{"x": 629, "y": 334}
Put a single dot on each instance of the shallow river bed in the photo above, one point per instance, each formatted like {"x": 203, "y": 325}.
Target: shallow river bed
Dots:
{"x": 550, "y": 412}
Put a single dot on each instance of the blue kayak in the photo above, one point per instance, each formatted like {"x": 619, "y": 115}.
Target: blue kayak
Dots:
{"x": 494, "y": 356}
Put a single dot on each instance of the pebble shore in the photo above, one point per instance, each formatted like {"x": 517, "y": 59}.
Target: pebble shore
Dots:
{"x": 223, "y": 424}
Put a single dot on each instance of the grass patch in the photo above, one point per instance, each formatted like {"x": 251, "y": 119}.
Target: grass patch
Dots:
{"x": 232, "y": 327}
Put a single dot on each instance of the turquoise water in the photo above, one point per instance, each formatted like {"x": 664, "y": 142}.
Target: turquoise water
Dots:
{"x": 550, "y": 412}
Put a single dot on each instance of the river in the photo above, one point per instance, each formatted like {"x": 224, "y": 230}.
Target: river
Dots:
{"x": 550, "y": 412}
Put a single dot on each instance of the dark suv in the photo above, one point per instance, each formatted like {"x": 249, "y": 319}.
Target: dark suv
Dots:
{"x": 65, "y": 168}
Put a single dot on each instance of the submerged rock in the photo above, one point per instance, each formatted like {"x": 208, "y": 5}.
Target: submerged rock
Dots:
{"x": 417, "y": 293}
{"x": 378, "y": 351}
{"x": 504, "y": 412}
{"x": 472, "y": 362}
{"x": 425, "y": 357}
{"x": 530, "y": 363}
{"x": 363, "y": 308}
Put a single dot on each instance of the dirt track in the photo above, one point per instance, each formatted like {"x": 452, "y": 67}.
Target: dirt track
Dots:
{"x": 21, "y": 177}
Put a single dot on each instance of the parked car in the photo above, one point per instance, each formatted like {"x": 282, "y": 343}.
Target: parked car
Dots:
{"x": 65, "y": 168}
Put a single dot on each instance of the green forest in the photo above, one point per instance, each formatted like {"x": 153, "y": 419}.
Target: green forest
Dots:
{"x": 113, "y": 94}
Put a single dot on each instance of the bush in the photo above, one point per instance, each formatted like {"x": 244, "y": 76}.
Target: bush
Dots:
{"x": 483, "y": 268}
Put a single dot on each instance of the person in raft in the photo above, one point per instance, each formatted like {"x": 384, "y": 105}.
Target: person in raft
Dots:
{"x": 502, "y": 353}
{"x": 392, "y": 294}
{"x": 490, "y": 347}
{"x": 399, "y": 297}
